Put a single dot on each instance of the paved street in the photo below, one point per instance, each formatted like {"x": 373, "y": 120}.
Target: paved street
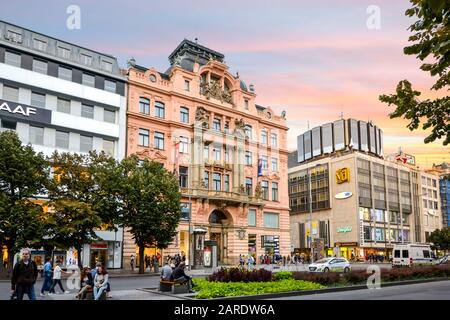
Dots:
{"x": 439, "y": 290}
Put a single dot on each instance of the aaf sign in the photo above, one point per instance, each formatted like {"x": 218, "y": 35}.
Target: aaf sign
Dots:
{"x": 343, "y": 175}
{"x": 24, "y": 112}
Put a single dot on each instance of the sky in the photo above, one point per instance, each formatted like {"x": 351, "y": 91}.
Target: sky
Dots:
{"x": 314, "y": 59}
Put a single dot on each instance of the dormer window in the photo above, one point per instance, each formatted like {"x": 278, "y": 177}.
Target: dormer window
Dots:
{"x": 107, "y": 66}
{"x": 152, "y": 78}
{"x": 86, "y": 59}
{"x": 40, "y": 44}
{"x": 14, "y": 36}
{"x": 246, "y": 104}
{"x": 64, "y": 52}
{"x": 186, "y": 85}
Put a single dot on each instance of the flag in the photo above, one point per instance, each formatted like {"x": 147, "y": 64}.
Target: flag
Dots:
{"x": 259, "y": 167}
{"x": 177, "y": 151}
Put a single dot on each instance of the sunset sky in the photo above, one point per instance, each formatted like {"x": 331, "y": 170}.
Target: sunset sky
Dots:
{"x": 313, "y": 59}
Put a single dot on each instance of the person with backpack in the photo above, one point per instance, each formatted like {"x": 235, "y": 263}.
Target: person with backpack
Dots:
{"x": 24, "y": 277}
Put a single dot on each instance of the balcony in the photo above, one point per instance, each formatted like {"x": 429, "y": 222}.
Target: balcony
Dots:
{"x": 222, "y": 197}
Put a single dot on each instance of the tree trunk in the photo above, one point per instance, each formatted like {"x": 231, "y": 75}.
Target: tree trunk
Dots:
{"x": 80, "y": 265}
{"x": 141, "y": 259}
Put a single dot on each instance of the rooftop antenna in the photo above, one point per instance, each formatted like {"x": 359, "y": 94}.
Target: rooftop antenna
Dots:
{"x": 341, "y": 115}
{"x": 308, "y": 124}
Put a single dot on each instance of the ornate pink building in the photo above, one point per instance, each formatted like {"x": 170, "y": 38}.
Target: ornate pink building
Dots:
{"x": 230, "y": 154}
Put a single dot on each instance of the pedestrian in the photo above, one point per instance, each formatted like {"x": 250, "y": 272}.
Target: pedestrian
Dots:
{"x": 86, "y": 283}
{"x": 241, "y": 260}
{"x": 48, "y": 276}
{"x": 147, "y": 262}
{"x": 100, "y": 282}
{"x": 132, "y": 262}
{"x": 180, "y": 276}
{"x": 57, "y": 271}
{"x": 166, "y": 272}
{"x": 24, "y": 277}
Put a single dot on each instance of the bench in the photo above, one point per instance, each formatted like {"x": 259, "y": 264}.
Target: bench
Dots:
{"x": 173, "y": 287}
{"x": 90, "y": 294}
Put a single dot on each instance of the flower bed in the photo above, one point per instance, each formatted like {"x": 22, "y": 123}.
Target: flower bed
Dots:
{"x": 241, "y": 275}
{"x": 215, "y": 289}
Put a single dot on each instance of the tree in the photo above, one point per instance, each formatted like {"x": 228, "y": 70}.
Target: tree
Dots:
{"x": 82, "y": 198}
{"x": 151, "y": 204}
{"x": 23, "y": 175}
{"x": 431, "y": 41}
{"x": 440, "y": 238}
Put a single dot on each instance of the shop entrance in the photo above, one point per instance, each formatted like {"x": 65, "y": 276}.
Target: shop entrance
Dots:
{"x": 218, "y": 238}
{"x": 98, "y": 256}
{"x": 219, "y": 220}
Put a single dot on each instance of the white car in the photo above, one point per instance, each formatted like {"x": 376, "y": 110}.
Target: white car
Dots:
{"x": 330, "y": 265}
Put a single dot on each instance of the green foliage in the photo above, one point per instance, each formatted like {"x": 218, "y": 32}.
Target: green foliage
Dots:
{"x": 207, "y": 290}
{"x": 440, "y": 238}
{"x": 431, "y": 41}
{"x": 282, "y": 275}
{"x": 150, "y": 200}
{"x": 23, "y": 174}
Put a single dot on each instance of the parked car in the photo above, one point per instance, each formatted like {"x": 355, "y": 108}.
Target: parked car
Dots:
{"x": 412, "y": 254}
{"x": 330, "y": 265}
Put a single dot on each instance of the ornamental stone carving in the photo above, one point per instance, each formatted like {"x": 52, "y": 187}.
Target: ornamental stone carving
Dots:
{"x": 214, "y": 90}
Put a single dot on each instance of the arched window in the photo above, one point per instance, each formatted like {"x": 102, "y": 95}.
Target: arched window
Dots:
{"x": 144, "y": 105}
{"x": 160, "y": 110}
{"x": 248, "y": 131}
{"x": 184, "y": 115}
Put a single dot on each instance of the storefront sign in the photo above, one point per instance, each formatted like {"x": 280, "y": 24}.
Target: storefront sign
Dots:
{"x": 344, "y": 229}
{"x": 99, "y": 245}
{"x": 343, "y": 195}
{"x": 24, "y": 112}
{"x": 343, "y": 175}
{"x": 346, "y": 244}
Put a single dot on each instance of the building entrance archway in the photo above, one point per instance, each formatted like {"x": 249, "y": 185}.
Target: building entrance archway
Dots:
{"x": 219, "y": 222}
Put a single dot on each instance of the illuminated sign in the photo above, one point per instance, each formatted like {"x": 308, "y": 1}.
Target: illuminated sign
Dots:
{"x": 344, "y": 229}
{"x": 343, "y": 195}
{"x": 343, "y": 175}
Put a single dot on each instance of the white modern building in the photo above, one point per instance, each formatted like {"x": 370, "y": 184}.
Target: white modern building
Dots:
{"x": 60, "y": 96}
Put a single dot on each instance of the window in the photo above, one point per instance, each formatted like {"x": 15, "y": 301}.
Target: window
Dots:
{"x": 40, "y": 44}
{"x": 143, "y": 137}
{"x": 185, "y": 210}
{"x": 186, "y": 85}
{"x": 434, "y": 194}
{"x": 37, "y": 100}
{"x": 217, "y": 124}
{"x": 65, "y": 73}
{"x": 274, "y": 191}
{"x": 84, "y": 58}
{"x": 435, "y": 207}
{"x": 8, "y": 125}
{"x": 206, "y": 153}
{"x": 88, "y": 80}
{"x": 108, "y": 147}
{"x": 228, "y": 153}
{"x": 110, "y": 86}
{"x": 36, "y": 135}
{"x": 11, "y": 93}
{"x": 159, "y": 110}
{"x": 183, "y": 177}
{"x": 265, "y": 189}
{"x": 86, "y": 143}
{"x": 206, "y": 179}
{"x": 184, "y": 115}
{"x": 13, "y": 59}
{"x": 14, "y": 36}
{"x": 62, "y": 140}
{"x": 434, "y": 183}
{"x": 367, "y": 234}
{"x": 107, "y": 66}
{"x": 271, "y": 220}
{"x": 264, "y": 163}
{"x": 248, "y": 158}
{"x": 159, "y": 140}
{"x": 246, "y": 104}
{"x": 405, "y": 254}
{"x": 63, "y": 105}
{"x": 379, "y": 234}
{"x": 63, "y": 52}
{"x": 397, "y": 254}
{"x": 87, "y": 111}
{"x": 264, "y": 137}
{"x": 426, "y": 253}
{"x": 248, "y": 131}
{"x": 251, "y": 217}
{"x": 274, "y": 164}
{"x": 144, "y": 105}
{"x": 227, "y": 183}
{"x": 274, "y": 140}
{"x": 425, "y": 203}
{"x": 249, "y": 186}
{"x": 184, "y": 145}
{"x": 216, "y": 181}
{"x": 152, "y": 78}
{"x": 217, "y": 151}
{"x": 40, "y": 66}
{"x": 109, "y": 116}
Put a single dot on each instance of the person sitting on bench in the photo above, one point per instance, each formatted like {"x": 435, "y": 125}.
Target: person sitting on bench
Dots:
{"x": 179, "y": 276}
{"x": 86, "y": 283}
{"x": 166, "y": 272}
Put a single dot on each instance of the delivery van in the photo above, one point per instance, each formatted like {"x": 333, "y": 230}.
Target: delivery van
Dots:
{"x": 412, "y": 254}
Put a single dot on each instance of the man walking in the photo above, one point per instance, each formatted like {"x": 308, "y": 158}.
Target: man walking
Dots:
{"x": 48, "y": 277}
{"x": 132, "y": 262}
{"x": 24, "y": 276}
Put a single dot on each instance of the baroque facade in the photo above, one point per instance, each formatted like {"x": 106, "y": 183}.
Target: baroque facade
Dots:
{"x": 201, "y": 122}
